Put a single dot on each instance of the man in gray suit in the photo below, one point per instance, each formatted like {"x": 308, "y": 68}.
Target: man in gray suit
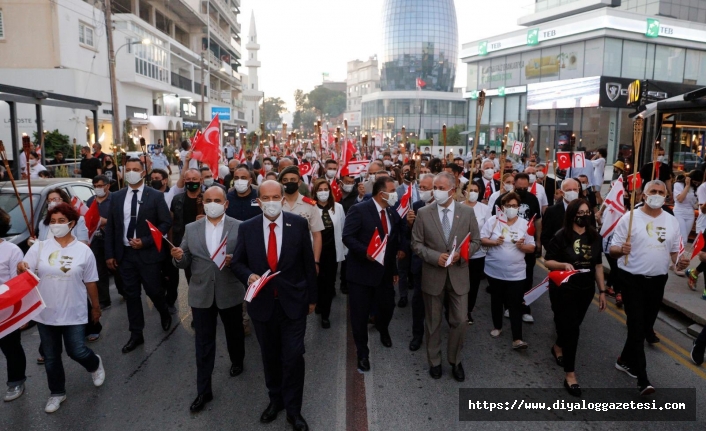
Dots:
{"x": 435, "y": 228}
{"x": 212, "y": 291}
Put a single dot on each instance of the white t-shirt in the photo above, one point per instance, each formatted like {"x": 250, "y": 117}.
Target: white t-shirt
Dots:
{"x": 482, "y": 212}
{"x": 193, "y": 163}
{"x": 494, "y": 197}
{"x": 62, "y": 273}
{"x": 10, "y": 256}
{"x": 688, "y": 204}
{"x": 701, "y": 219}
{"x": 506, "y": 262}
{"x": 541, "y": 195}
{"x": 599, "y": 170}
{"x": 652, "y": 240}
{"x": 35, "y": 170}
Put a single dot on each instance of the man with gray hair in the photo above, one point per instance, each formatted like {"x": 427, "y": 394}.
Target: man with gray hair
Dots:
{"x": 487, "y": 184}
{"x": 644, "y": 256}
{"x": 438, "y": 228}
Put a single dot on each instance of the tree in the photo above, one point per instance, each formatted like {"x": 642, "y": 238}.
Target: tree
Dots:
{"x": 321, "y": 97}
{"x": 453, "y": 135}
{"x": 336, "y": 105}
{"x": 273, "y": 107}
{"x": 54, "y": 141}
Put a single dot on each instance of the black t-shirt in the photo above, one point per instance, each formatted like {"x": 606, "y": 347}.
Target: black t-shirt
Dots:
{"x": 529, "y": 207}
{"x": 581, "y": 252}
{"x": 189, "y": 213}
{"x": 664, "y": 174}
{"x": 89, "y": 167}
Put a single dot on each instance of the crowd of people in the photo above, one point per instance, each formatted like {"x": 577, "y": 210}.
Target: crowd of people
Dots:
{"x": 447, "y": 225}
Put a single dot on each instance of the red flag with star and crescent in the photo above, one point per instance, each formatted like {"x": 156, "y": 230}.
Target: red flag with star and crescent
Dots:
{"x": 336, "y": 190}
{"x": 563, "y": 159}
{"x": 206, "y": 147}
{"x": 488, "y": 191}
{"x": 156, "y": 235}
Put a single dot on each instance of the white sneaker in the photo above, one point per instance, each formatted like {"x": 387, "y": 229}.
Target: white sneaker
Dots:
{"x": 527, "y": 318}
{"x": 14, "y": 392}
{"x": 495, "y": 333}
{"x": 507, "y": 313}
{"x": 98, "y": 375}
{"x": 54, "y": 403}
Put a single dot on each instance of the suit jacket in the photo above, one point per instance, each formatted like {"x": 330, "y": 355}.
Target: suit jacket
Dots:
{"x": 428, "y": 242}
{"x": 481, "y": 187}
{"x": 296, "y": 284}
{"x": 208, "y": 283}
{"x": 153, "y": 207}
{"x": 552, "y": 221}
{"x": 361, "y": 221}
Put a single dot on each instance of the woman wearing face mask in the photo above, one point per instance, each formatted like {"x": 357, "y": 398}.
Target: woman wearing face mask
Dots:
{"x": 508, "y": 185}
{"x": 477, "y": 262}
{"x": 110, "y": 170}
{"x": 54, "y": 198}
{"x": 576, "y": 246}
{"x": 67, "y": 272}
{"x": 507, "y": 244}
{"x": 332, "y": 249}
{"x": 685, "y": 201}
{"x": 35, "y": 167}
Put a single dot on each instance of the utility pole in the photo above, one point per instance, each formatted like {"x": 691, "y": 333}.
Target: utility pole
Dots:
{"x": 203, "y": 118}
{"x": 113, "y": 82}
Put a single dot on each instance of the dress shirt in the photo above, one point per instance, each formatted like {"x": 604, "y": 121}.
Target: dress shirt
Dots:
{"x": 126, "y": 210}
{"x": 278, "y": 233}
{"x": 450, "y": 215}
{"x": 387, "y": 217}
{"x": 214, "y": 234}
{"x": 492, "y": 186}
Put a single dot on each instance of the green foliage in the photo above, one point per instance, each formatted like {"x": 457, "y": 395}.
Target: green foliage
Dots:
{"x": 336, "y": 105}
{"x": 54, "y": 141}
{"x": 322, "y": 98}
{"x": 453, "y": 135}
{"x": 273, "y": 107}
{"x": 127, "y": 140}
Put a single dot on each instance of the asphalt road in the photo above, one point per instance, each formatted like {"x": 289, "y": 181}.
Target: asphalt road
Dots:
{"x": 152, "y": 387}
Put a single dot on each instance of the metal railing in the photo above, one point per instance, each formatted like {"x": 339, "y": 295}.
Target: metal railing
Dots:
{"x": 182, "y": 82}
{"x": 197, "y": 89}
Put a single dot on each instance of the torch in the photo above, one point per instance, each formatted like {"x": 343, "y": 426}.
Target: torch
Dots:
{"x": 3, "y": 155}
{"x": 443, "y": 135}
{"x": 636, "y": 139}
{"x": 479, "y": 113}
{"x": 26, "y": 148}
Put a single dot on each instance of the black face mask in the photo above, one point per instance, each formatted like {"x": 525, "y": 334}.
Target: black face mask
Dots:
{"x": 156, "y": 184}
{"x": 291, "y": 188}
{"x": 581, "y": 221}
{"x": 192, "y": 186}
{"x": 408, "y": 176}
{"x": 521, "y": 192}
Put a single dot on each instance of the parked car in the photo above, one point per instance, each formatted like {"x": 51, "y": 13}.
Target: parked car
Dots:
{"x": 18, "y": 234}
{"x": 687, "y": 162}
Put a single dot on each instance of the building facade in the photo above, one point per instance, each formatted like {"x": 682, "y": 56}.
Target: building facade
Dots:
{"x": 363, "y": 78}
{"x": 566, "y": 79}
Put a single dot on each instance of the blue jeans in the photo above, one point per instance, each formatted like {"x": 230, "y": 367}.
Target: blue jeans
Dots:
{"x": 73, "y": 336}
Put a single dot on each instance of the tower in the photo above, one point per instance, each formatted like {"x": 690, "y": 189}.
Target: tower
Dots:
{"x": 251, "y": 93}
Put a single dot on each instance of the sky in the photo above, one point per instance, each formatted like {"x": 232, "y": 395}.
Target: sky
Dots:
{"x": 300, "y": 40}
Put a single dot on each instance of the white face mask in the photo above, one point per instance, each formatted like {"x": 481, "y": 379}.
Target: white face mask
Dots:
{"x": 33, "y": 163}
{"x": 271, "y": 209}
{"x": 268, "y": 168}
{"x": 307, "y": 155}
{"x": 241, "y": 185}
{"x": 570, "y": 196}
{"x": 488, "y": 174}
{"x": 584, "y": 186}
{"x": 425, "y": 195}
{"x": 508, "y": 187}
{"x": 52, "y": 204}
{"x": 214, "y": 209}
{"x": 59, "y": 230}
{"x": 331, "y": 173}
{"x": 322, "y": 196}
{"x": 100, "y": 192}
{"x": 133, "y": 177}
{"x": 533, "y": 178}
{"x": 391, "y": 199}
{"x": 540, "y": 175}
{"x": 387, "y": 163}
{"x": 655, "y": 201}
{"x": 208, "y": 182}
{"x": 472, "y": 196}
{"x": 441, "y": 196}
{"x": 348, "y": 188}
{"x": 511, "y": 213}
{"x": 662, "y": 159}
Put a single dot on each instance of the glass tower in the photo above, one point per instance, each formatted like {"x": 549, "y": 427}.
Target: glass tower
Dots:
{"x": 420, "y": 40}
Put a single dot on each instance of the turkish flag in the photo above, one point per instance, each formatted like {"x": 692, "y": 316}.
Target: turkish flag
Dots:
{"x": 488, "y": 191}
{"x": 421, "y": 83}
{"x": 93, "y": 220}
{"x": 377, "y": 246}
{"x": 207, "y": 147}
{"x": 530, "y": 226}
{"x": 305, "y": 169}
{"x": 20, "y": 302}
{"x": 465, "y": 248}
{"x": 637, "y": 178}
{"x": 336, "y": 191}
{"x": 563, "y": 159}
{"x": 156, "y": 235}
{"x": 698, "y": 244}
{"x": 560, "y": 277}
{"x": 533, "y": 190}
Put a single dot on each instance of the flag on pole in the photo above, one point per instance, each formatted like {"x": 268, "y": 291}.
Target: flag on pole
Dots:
{"x": 563, "y": 159}
{"x": 537, "y": 291}
{"x": 420, "y": 83}
{"x": 405, "y": 202}
{"x": 79, "y": 205}
{"x": 561, "y": 277}
{"x": 207, "y": 148}
{"x": 579, "y": 160}
{"x": 336, "y": 190}
{"x": 500, "y": 215}
{"x": 517, "y": 148}
{"x": 530, "y": 226}
{"x": 637, "y": 178}
{"x": 93, "y": 220}
{"x": 614, "y": 207}
{"x": 257, "y": 286}
{"x": 219, "y": 256}
{"x": 698, "y": 245}
{"x": 681, "y": 248}
{"x": 377, "y": 246}
{"x": 156, "y": 235}
{"x": 20, "y": 302}
{"x": 465, "y": 248}
{"x": 305, "y": 169}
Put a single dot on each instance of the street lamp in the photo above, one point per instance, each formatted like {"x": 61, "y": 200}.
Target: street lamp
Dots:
{"x": 137, "y": 42}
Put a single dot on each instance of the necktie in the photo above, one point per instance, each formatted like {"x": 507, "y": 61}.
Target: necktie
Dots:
{"x": 133, "y": 216}
{"x": 446, "y": 224}
{"x": 383, "y": 220}
{"x": 272, "y": 248}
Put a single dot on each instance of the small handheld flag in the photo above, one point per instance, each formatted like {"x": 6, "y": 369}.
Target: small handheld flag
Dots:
{"x": 465, "y": 248}
{"x": 219, "y": 256}
{"x": 376, "y": 247}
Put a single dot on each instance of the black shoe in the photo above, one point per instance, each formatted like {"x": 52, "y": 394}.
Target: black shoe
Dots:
{"x": 132, "y": 343}
{"x": 298, "y": 423}
{"x": 415, "y": 344}
{"x": 344, "y": 290}
{"x": 574, "y": 389}
{"x": 364, "y": 364}
{"x": 172, "y": 309}
{"x": 270, "y": 412}
{"x": 435, "y": 372}
{"x": 200, "y": 402}
{"x": 316, "y": 310}
{"x": 402, "y": 302}
{"x": 559, "y": 359}
{"x": 166, "y": 320}
{"x": 325, "y": 323}
{"x": 645, "y": 388}
{"x": 697, "y": 353}
{"x": 652, "y": 338}
{"x": 385, "y": 340}
{"x": 470, "y": 319}
{"x": 193, "y": 324}
{"x": 236, "y": 370}
{"x": 458, "y": 373}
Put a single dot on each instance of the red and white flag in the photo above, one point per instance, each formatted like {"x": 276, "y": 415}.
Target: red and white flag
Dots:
{"x": 563, "y": 159}
{"x": 561, "y": 277}
{"x": 20, "y": 302}
{"x": 405, "y": 202}
{"x": 681, "y": 248}
{"x": 377, "y": 246}
{"x": 420, "y": 83}
{"x": 500, "y": 215}
{"x": 533, "y": 189}
{"x": 530, "y": 226}
{"x": 93, "y": 220}
{"x": 698, "y": 245}
{"x": 241, "y": 156}
{"x": 579, "y": 160}
{"x": 517, "y": 148}
{"x": 257, "y": 286}
{"x": 304, "y": 169}
{"x": 488, "y": 191}
{"x": 355, "y": 168}
{"x": 336, "y": 190}
{"x": 465, "y": 248}
{"x": 537, "y": 291}
{"x": 79, "y": 205}
{"x": 219, "y": 256}
{"x": 207, "y": 148}
{"x": 156, "y": 235}
{"x": 614, "y": 207}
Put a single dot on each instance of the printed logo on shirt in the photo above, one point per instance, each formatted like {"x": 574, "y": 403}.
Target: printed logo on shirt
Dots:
{"x": 583, "y": 250}
{"x": 523, "y": 211}
{"x": 64, "y": 262}
{"x": 512, "y": 235}
{"x": 656, "y": 231}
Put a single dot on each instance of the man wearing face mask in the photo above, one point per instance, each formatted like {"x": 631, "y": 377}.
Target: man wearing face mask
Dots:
{"x": 130, "y": 248}
{"x": 651, "y": 247}
{"x": 228, "y": 179}
{"x": 331, "y": 169}
{"x": 267, "y": 166}
{"x": 487, "y": 185}
{"x": 662, "y": 171}
{"x": 295, "y": 202}
{"x": 553, "y": 218}
{"x": 159, "y": 159}
{"x": 186, "y": 208}
{"x": 216, "y": 292}
{"x": 242, "y": 198}
{"x": 208, "y": 180}
{"x": 548, "y": 183}
{"x": 159, "y": 181}
{"x": 369, "y": 283}
{"x": 279, "y": 242}
{"x": 367, "y": 186}
{"x": 539, "y": 188}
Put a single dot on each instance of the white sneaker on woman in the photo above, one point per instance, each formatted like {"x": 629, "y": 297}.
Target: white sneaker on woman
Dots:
{"x": 14, "y": 392}
{"x": 98, "y": 375}
{"x": 54, "y": 403}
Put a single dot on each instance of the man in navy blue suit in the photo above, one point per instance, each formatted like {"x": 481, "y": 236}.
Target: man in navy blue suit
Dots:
{"x": 130, "y": 249}
{"x": 369, "y": 283}
{"x": 279, "y": 310}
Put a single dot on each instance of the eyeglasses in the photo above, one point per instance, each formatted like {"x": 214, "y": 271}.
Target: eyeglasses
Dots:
{"x": 583, "y": 213}
{"x": 512, "y": 206}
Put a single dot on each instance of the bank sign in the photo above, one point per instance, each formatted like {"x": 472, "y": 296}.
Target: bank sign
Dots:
{"x": 223, "y": 113}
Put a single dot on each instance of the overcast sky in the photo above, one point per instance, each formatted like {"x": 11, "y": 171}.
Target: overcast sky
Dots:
{"x": 299, "y": 40}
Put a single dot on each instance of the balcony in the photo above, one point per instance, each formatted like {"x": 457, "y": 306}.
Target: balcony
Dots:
{"x": 182, "y": 82}
{"x": 197, "y": 89}
{"x": 215, "y": 28}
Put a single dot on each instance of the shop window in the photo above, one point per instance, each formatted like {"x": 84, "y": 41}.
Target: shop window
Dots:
{"x": 695, "y": 71}
{"x": 512, "y": 109}
{"x": 531, "y": 69}
{"x": 497, "y": 111}
{"x": 513, "y": 70}
{"x": 669, "y": 63}
{"x": 650, "y": 61}
{"x": 593, "y": 57}
{"x": 472, "y": 77}
{"x": 612, "y": 57}
{"x": 634, "y": 59}
{"x": 550, "y": 64}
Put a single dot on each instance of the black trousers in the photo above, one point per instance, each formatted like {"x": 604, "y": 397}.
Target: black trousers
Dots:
{"x": 205, "y": 323}
{"x": 98, "y": 249}
{"x": 361, "y": 300}
{"x": 612, "y": 279}
{"x": 326, "y": 281}
{"x": 530, "y": 262}
{"x": 136, "y": 275}
{"x": 417, "y": 297}
{"x": 507, "y": 294}
{"x": 343, "y": 283}
{"x": 476, "y": 272}
{"x": 282, "y": 346}
{"x": 642, "y": 297}
{"x": 11, "y": 346}
{"x": 170, "y": 281}
{"x": 569, "y": 306}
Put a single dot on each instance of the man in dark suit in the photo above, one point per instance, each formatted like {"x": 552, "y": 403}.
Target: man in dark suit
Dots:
{"x": 130, "y": 248}
{"x": 553, "y": 219}
{"x": 369, "y": 283}
{"x": 487, "y": 185}
{"x": 279, "y": 310}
